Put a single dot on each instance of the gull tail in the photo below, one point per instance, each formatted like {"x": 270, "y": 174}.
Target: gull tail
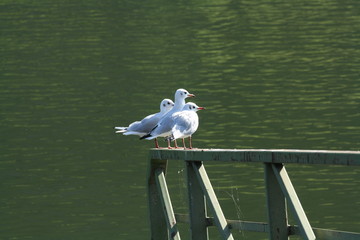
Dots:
{"x": 120, "y": 129}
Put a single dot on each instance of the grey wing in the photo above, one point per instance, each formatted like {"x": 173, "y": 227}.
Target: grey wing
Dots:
{"x": 134, "y": 127}
{"x": 182, "y": 126}
{"x": 163, "y": 127}
{"x": 144, "y": 125}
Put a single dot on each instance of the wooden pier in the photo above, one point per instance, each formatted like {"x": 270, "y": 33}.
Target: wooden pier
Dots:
{"x": 280, "y": 193}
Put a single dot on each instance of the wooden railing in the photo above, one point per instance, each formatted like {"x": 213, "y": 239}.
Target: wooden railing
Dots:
{"x": 279, "y": 192}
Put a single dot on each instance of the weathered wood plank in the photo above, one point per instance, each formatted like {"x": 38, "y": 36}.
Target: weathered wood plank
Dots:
{"x": 323, "y": 234}
{"x": 197, "y": 206}
{"x": 276, "y": 206}
{"x": 295, "y": 205}
{"x": 327, "y": 234}
{"x": 158, "y": 225}
{"x": 248, "y": 226}
{"x": 351, "y": 158}
{"x": 166, "y": 203}
{"x": 213, "y": 201}
{"x": 233, "y": 224}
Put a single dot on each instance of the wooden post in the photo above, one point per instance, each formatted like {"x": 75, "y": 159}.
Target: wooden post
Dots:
{"x": 166, "y": 204}
{"x": 197, "y": 206}
{"x": 208, "y": 190}
{"x": 158, "y": 225}
{"x": 295, "y": 205}
{"x": 276, "y": 206}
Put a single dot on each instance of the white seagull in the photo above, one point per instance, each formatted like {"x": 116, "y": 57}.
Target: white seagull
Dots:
{"x": 181, "y": 124}
{"x": 163, "y": 128}
{"x": 144, "y": 126}
{"x": 186, "y": 123}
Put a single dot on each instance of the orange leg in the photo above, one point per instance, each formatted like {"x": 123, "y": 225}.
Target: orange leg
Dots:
{"x": 169, "y": 146}
{"x": 190, "y": 142}
{"x": 156, "y": 143}
{"x": 175, "y": 143}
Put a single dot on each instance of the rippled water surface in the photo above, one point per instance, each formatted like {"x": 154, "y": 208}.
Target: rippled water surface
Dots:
{"x": 271, "y": 75}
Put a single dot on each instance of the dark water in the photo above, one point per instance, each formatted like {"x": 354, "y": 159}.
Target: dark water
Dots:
{"x": 271, "y": 74}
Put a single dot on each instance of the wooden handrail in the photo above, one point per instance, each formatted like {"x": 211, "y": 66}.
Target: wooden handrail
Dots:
{"x": 279, "y": 190}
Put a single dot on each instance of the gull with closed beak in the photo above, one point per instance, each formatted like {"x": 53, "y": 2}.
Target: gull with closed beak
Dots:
{"x": 144, "y": 126}
{"x": 186, "y": 123}
{"x": 164, "y": 127}
{"x": 181, "y": 124}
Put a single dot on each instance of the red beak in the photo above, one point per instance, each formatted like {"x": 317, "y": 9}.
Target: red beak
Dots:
{"x": 201, "y": 108}
{"x": 191, "y": 95}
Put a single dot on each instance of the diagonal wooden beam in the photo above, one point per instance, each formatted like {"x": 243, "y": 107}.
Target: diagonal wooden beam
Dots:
{"x": 158, "y": 226}
{"x": 276, "y": 206}
{"x": 293, "y": 200}
{"x": 197, "y": 206}
{"x": 214, "y": 204}
{"x": 166, "y": 203}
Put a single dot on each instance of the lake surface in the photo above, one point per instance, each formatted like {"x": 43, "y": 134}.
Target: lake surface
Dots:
{"x": 271, "y": 75}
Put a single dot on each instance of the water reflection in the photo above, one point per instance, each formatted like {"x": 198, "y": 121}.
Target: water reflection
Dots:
{"x": 281, "y": 75}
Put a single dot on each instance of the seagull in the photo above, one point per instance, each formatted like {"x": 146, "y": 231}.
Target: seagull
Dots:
{"x": 180, "y": 96}
{"x": 185, "y": 123}
{"x": 144, "y": 126}
{"x": 181, "y": 124}
{"x": 163, "y": 128}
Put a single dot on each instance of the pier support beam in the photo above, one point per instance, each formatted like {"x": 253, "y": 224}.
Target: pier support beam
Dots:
{"x": 280, "y": 193}
{"x": 276, "y": 206}
{"x": 288, "y": 190}
{"x": 214, "y": 204}
{"x": 157, "y": 221}
{"x": 166, "y": 204}
{"x": 197, "y": 206}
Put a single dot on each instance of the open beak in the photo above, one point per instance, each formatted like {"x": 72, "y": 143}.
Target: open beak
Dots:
{"x": 191, "y": 95}
{"x": 201, "y": 108}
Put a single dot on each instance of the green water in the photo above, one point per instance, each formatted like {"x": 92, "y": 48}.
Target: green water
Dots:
{"x": 272, "y": 74}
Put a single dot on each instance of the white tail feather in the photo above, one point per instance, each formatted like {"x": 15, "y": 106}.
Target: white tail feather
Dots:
{"x": 120, "y": 129}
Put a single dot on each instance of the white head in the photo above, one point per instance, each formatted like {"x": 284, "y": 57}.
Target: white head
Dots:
{"x": 181, "y": 94}
{"x": 190, "y": 106}
{"x": 166, "y": 105}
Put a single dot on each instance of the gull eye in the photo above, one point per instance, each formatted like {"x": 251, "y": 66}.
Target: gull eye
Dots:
{"x": 168, "y": 103}
{"x": 185, "y": 93}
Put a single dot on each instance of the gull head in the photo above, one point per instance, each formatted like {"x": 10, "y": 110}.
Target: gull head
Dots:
{"x": 182, "y": 94}
{"x": 190, "y": 106}
{"x": 166, "y": 105}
